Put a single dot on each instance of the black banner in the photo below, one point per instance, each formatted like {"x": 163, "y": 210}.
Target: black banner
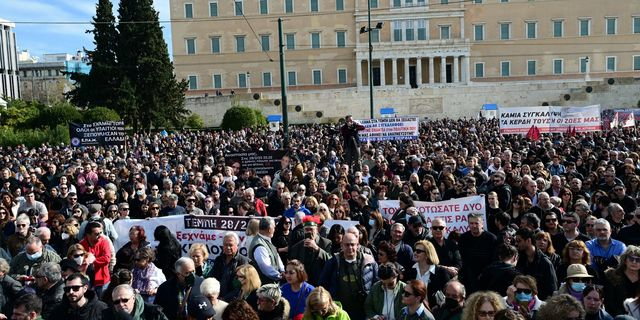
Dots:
{"x": 105, "y": 133}
{"x": 264, "y": 162}
{"x": 226, "y": 223}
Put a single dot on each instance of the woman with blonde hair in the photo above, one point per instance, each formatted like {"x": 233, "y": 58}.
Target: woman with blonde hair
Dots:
{"x": 482, "y": 305}
{"x": 575, "y": 252}
{"x": 427, "y": 268}
{"x": 544, "y": 243}
{"x": 321, "y": 306}
{"x": 249, "y": 281}
{"x": 251, "y": 232}
{"x": 200, "y": 255}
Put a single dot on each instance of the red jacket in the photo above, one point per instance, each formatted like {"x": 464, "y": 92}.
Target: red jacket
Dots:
{"x": 102, "y": 252}
{"x": 261, "y": 208}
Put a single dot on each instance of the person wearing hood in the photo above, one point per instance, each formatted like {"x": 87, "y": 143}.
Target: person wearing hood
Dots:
{"x": 127, "y": 304}
{"x": 271, "y": 304}
{"x": 522, "y": 296}
{"x": 79, "y": 302}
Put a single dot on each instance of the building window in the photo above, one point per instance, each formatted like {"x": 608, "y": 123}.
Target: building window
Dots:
{"x": 242, "y": 80}
{"x": 558, "y": 28}
{"x": 636, "y": 24}
{"x": 611, "y": 64}
{"x": 477, "y": 1}
{"x": 339, "y": 5}
{"x": 444, "y": 1}
{"x": 397, "y": 31}
{"x": 313, "y": 4}
{"x": 612, "y": 24}
{"x": 557, "y": 66}
{"x": 266, "y": 79}
{"x": 238, "y": 7}
{"x": 583, "y": 65}
{"x": 505, "y": 31}
{"x": 341, "y": 39}
{"x": 531, "y": 67}
{"x": 479, "y": 70}
{"x": 397, "y": 3}
{"x": 584, "y": 27}
{"x": 317, "y": 77}
{"x": 315, "y": 40}
{"x": 421, "y": 3}
{"x": 375, "y": 35}
{"x": 188, "y": 10}
{"x": 408, "y": 30}
{"x": 408, "y": 3}
{"x": 264, "y": 41}
{"x": 264, "y": 6}
{"x": 291, "y": 41}
{"x": 213, "y": 9}
{"x": 215, "y": 44}
{"x": 288, "y": 6}
{"x": 445, "y": 32}
{"x": 422, "y": 29}
{"x": 478, "y": 32}
{"x": 191, "y": 45}
{"x": 504, "y": 1}
{"x": 373, "y": 4}
{"x": 217, "y": 81}
{"x": 342, "y": 76}
{"x": 193, "y": 82}
{"x": 505, "y": 68}
{"x": 532, "y": 31}
{"x": 636, "y": 63}
{"x": 292, "y": 78}
{"x": 240, "y": 44}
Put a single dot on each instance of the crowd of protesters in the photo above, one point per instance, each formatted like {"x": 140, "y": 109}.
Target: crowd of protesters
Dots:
{"x": 559, "y": 239}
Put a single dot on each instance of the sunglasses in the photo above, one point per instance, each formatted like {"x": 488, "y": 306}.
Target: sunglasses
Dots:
{"x": 406, "y": 293}
{"x": 550, "y": 220}
{"x": 521, "y": 291}
{"x": 437, "y": 228}
{"x": 72, "y": 288}
{"x": 633, "y": 259}
{"x": 78, "y": 255}
{"x": 119, "y": 301}
{"x": 419, "y": 251}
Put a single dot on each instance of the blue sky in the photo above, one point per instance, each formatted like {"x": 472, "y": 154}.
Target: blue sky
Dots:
{"x": 61, "y": 38}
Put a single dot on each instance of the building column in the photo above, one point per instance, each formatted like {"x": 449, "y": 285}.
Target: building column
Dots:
{"x": 406, "y": 72}
{"x": 382, "y": 73}
{"x": 419, "y": 71}
{"x": 359, "y": 73}
{"x": 443, "y": 69}
{"x": 394, "y": 71}
{"x": 466, "y": 73}
{"x": 455, "y": 69}
{"x": 431, "y": 71}
{"x": 461, "y": 27}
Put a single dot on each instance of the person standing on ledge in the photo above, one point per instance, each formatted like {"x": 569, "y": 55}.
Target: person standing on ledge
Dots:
{"x": 351, "y": 138}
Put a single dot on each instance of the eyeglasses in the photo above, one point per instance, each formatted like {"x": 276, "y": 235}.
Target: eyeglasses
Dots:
{"x": 520, "y": 291}
{"x": 155, "y": 208}
{"x": 419, "y": 251}
{"x": 635, "y": 259}
{"x": 568, "y": 221}
{"x": 113, "y": 210}
{"x": 406, "y": 293}
{"x": 119, "y": 301}
{"x": 437, "y": 228}
{"x": 191, "y": 200}
{"x": 68, "y": 289}
{"x": 550, "y": 220}
{"x": 22, "y": 225}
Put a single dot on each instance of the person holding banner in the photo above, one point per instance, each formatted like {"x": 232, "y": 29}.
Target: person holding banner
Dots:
{"x": 351, "y": 140}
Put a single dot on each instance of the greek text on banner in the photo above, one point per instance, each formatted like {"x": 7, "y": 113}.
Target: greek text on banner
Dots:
{"x": 400, "y": 128}
{"x": 550, "y": 119}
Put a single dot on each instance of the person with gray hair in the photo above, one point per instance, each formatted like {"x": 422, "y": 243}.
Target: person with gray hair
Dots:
{"x": 224, "y": 266}
{"x": 49, "y": 286}
{"x": 127, "y": 301}
{"x": 264, "y": 254}
{"x": 604, "y": 250}
{"x": 9, "y": 288}
{"x": 186, "y": 283}
{"x": 271, "y": 304}
{"x": 16, "y": 242}
{"x": 530, "y": 221}
{"x": 172, "y": 208}
{"x": 25, "y": 264}
{"x": 210, "y": 288}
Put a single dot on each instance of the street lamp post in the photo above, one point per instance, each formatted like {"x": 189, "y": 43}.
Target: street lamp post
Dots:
{"x": 368, "y": 30}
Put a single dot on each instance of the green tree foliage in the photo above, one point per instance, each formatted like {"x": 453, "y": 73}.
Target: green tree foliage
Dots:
{"x": 98, "y": 87}
{"x": 100, "y": 114}
{"x": 239, "y": 117}
{"x": 59, "y": 114}
{"x": 34, "y": 137}
{"x": 20, "y": 113}
{"x": 144, "y": 59}
{"x": 194, "y": 121}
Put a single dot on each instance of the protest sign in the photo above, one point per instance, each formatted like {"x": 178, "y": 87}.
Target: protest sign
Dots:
{"x": 346, "y": 224}
{"x": 454, "y": 211}
{"x": 264, "y": 162}
{"x": 189, "y": 229}
{"x": 105, "y": 133}
{"x": 549, "y": 119}
{"x": 400, "y": 128}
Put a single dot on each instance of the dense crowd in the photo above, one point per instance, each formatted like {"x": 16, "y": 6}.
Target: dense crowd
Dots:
{"x": 559, "y": 238}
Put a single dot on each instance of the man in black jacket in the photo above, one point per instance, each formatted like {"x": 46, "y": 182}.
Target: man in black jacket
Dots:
{"x": 499, "y": 275}
{"x": 313, "y": 251}
{"x": 127, "y": 301}
{"x": 224, "y": 266}
{"x": 80, "y": 302}
{"x": 351, "y": 141}
{"x": 174, "y": 294}
{"x": 49, "y": 287}
{"x": 533, "y": 262}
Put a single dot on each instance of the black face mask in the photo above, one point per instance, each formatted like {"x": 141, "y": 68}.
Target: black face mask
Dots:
{"x": 450, "y": 303}
{"x": 190, "y": 280}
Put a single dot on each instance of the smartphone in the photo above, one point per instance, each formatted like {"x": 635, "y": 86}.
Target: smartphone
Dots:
{"x": 308, "y": 236}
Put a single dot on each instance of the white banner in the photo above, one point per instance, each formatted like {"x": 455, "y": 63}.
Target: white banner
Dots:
{"x": 454, "y": 211}
{"x": 189, "y": 229}
{"x": 400, "y": 128}
{"x": 549, "y": 119}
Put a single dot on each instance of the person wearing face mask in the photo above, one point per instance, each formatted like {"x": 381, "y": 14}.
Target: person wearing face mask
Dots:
{"x": 522, "y": 296}
{"x": 575, "y": 282}
{"x": 25, "y": 264}
{"x": 451, "y": 308}
{"x": 174, "y": 294}
{"x": 384, "y": 301}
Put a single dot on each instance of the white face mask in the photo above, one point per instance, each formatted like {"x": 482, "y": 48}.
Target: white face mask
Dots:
{"x": 79, "y": 260}
{"x": 64, "y": 236}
